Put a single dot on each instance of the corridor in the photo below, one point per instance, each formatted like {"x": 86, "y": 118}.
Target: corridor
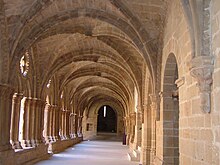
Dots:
{"x": 95, "y": 152}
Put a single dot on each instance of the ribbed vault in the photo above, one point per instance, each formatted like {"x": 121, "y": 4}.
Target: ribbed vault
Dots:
{"x": 90, "y": 51}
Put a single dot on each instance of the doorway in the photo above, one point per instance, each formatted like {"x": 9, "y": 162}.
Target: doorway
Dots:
{"x": 170, "y": 113}
{"x": 107, "y": 120}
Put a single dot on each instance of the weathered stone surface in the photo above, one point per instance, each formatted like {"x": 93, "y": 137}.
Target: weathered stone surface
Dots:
{"x": 85, "y": 54}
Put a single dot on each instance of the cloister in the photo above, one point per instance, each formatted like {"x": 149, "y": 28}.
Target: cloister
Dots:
{"x": 146, "y": 71}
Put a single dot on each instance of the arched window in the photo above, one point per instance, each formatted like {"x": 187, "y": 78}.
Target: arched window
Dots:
{"x": 24, "y": 63}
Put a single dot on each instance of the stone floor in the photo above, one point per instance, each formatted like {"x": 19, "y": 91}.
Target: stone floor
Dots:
{"x": 99, "y": 151}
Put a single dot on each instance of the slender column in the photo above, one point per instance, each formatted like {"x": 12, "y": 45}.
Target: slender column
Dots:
{"x": 71, "y": 125}
{"x": 57, "y": 118}
{"x": 15, "y": 117}
{"x": 53, "y": 123}
{"x": 132, "y": 123}
{"x": 138, "y": 127}
{"x": 153, "y": 127}
{"x": 6, "y": 94}
{"x": 128, "y": 129}
{"x": 50, "y": 116}
{"x": 26, "y": 141}
{"x": 68, "y": 124}
{"x": 146, "y": 136}
{"x": 80, "y": 126}
{"x": 76, "y": 125}
{"x": 47, "y": 123}
{"x": 37, "y": 115}
{"x": 40, "y": 121}
{"x": 32, "y": 122}
{"x": 62, "y": 124}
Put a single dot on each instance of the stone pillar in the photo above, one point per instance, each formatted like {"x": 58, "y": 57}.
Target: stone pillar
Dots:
{"x": 153, "y": 127}
{"x": 26, "y": 139}
{"x": 132, "y": 124}
{"x": 146, "y": 137}
{"x": 37, "y": 124}
{"x": 62, "y": 133}
{"x": 57, "y": 118}
{"x": 65, "y": 124}
{"x": 76, "y": 125}
{"x": 40, "y": 121}
{"x": 15, "y": 117}
{"x": 6, "y": 94}
{"x": 47, "y": 123}
{"x": 32, "y": 121}
{"x": 71, "y": 125}
{"x": 68, "y": 124}
{"x": 138, "y": 128}
{"x": 53, "y": 123}
{"x": 128, "y": 129}
{"x": 80, "y": 126}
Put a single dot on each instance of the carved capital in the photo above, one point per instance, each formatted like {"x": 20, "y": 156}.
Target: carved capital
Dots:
{"x": 202, "y": 69}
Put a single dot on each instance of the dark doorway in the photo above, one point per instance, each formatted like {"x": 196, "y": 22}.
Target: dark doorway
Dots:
{"x": 107, "y": 120}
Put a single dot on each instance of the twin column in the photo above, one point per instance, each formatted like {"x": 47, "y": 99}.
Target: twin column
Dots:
{"x": 32, "y": 122}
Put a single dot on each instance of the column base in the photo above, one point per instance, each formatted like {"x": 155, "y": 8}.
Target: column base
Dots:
{"x": 26, "y": 143}
{"x": 33, "y": 143}
{"x": 49, "y": 139}
{"x": 16, "y": 145}
{"x": 80, "y": 135}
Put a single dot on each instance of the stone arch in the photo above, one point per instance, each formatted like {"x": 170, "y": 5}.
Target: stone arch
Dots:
{"x": 107, "y": 123}
{"x": 130, "y": 31}
{"x": 91, "y": 116}
{"x": 170, "y": 112}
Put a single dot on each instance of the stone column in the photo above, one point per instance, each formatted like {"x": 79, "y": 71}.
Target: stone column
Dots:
{"x": 146, "y": 137}
{"x": 128, "y": 129}
{"x": 80, "y": 126}
{"x": 64, "y": 124}
{"x": 153, "y": 127}
{"x": 15, "y": 117}
{"x": 71, "y": 125}
{"x": 57, "y": 118}
{"x": 6, "y": 94}
{"x": 53, "y": 123}
{"x": 132, "y": 124}
{"x": 47, "y": 123}
{"x": 62, "y": 133}
{"x": 37, "y": 114}
{"x": 138, "y": 128}
{"x": 32, "y": 121}
{"x": 67, "y": 124}
{"x": 40, "y": 121}
{"x": 76, "y": 125}
{"x": 26, "y": 139}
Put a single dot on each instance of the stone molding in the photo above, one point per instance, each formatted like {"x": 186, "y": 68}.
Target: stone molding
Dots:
{"x": 180, "y": 82}
{"x": 202, "y": 69}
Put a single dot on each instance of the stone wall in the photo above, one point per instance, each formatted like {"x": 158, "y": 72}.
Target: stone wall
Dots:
{"x": 212, "y": 133}
{"x": 177, "y": 42}
{"x": 198, "y": 131}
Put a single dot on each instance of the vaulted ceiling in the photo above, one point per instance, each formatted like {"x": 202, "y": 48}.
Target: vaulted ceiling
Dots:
{"x": 98, "y": 49}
